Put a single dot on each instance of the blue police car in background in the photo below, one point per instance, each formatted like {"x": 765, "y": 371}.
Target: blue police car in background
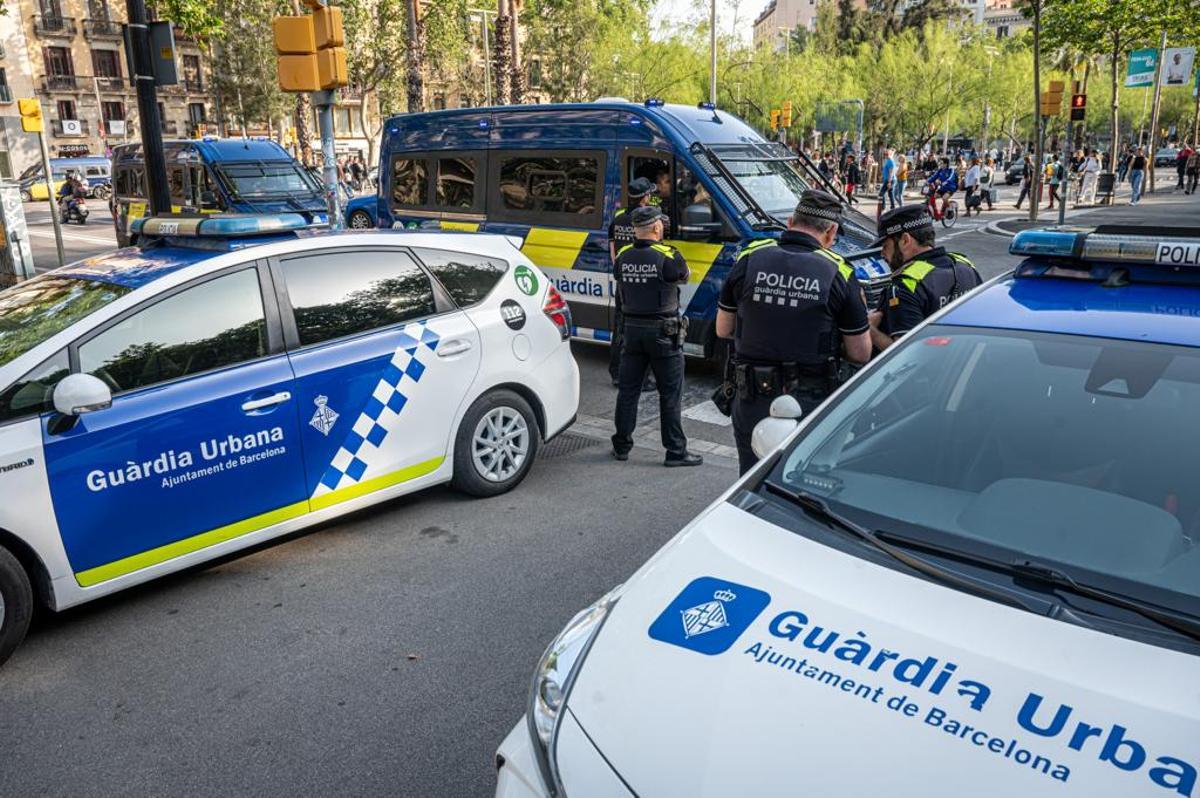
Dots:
{"x": 555, "y": 175}
{"x": 1007, "y": 499}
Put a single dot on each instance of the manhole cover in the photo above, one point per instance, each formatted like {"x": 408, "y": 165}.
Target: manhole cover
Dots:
{"x": 568, "y": 443}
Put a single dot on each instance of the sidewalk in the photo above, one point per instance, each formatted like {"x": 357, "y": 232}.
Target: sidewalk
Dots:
{"x": 1166, "y": 207}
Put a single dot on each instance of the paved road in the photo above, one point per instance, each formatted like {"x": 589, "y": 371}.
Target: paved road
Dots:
{"x": 388, "y": 653}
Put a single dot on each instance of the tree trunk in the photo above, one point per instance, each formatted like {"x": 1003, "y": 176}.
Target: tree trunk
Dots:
{"x": 415, "y": 58}
{"x": 518, "y": 71}
{"x": 502, "y": 54}
{"x": 303, "y": 118}
{"x": 1114, "y": 75}
{"x": 369, "y": 135}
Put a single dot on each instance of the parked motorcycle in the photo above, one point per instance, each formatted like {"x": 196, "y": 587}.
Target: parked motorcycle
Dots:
{"x": 73, "y": 209}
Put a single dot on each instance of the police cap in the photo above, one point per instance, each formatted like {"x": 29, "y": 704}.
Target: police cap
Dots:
{"x": 905, "y": 219}
{"x": 640, "y": 187}
{"x": 646, "y": 216}
{"x": 817, "y": 204}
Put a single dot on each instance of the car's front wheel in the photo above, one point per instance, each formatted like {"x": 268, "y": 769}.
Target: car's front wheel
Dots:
{"x": 16, "y": 604}
{"x": 360, "y": 220}
{"x": 496, "y": 444}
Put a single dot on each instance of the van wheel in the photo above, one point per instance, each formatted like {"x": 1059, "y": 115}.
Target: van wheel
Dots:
{"x": 26, "y": 196}
{"x": 496, "y": 444}
{"x": 16, "y": 604}
{"x": 360, "y": 220}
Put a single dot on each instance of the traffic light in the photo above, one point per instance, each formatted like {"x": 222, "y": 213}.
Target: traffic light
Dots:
{"x": 786, "y": 116}
{"x": 774, "y": 119}
{"x": 1078, "y": 107}
{"x": 31, "y": 115}
{"x": 311, "y": 50}
{"x": 1052, "y": 98}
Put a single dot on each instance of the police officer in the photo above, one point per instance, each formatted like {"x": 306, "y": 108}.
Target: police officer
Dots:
{"x": 620, "y": 235}
{"x": 790, "y": 306}
{"x": 648, "y": 275}
{"x": 925, "y": 277}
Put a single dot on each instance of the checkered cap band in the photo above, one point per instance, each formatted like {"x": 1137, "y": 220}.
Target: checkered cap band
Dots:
{"x": 904, "y": 227}
{"x": 818, "y": 213}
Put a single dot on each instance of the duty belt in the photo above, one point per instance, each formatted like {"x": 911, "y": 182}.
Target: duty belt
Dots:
{"x": 768, "y": 380}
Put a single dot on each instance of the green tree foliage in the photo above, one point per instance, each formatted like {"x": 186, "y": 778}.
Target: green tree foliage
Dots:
{"x": 246, "y": 78}
{"x": 578, "y": 40}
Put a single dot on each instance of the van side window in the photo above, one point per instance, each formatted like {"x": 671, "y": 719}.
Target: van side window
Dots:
{"x": 175, "y": 185}
{"x": 129, "y": 182}
{"x": 410, "y": 182}
{"x": 467, "y": 278}
{"x": 551, "y": 188}
{"x": 456, "y": 183}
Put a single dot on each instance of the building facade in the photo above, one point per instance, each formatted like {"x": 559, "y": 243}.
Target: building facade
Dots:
{"x": 780, "y": 18}
{"x": 70, "y": 55}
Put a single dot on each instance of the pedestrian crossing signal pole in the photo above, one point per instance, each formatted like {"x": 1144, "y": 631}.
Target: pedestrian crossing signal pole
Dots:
{"x": 312, "y": 58}
{"x": 33, "y": 122}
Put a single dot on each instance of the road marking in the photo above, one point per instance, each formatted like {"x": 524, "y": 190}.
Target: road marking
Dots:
{"x": 707, "y": 412}
{"x": 67, "y": 237}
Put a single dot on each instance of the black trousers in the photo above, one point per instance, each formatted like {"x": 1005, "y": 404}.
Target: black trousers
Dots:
{"x": 614, "y": 350}
{"x": 748, "y": 412}
{"x": 644, "y": 346}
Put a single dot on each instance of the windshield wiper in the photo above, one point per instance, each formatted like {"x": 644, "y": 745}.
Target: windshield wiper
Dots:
{"x": 818, "y": 508}
{"x": 1058, "y": 579}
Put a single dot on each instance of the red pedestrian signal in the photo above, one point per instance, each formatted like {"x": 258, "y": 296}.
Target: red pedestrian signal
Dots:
{"x": 1078, "y": 107}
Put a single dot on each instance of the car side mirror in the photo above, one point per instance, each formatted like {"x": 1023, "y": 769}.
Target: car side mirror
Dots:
{"x": 208, "y": 198}
{"x": 77, "y": 394}
{"x": 775, "y": 429}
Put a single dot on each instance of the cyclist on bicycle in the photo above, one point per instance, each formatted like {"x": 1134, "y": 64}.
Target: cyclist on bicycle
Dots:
{"x": 942, "y": 183}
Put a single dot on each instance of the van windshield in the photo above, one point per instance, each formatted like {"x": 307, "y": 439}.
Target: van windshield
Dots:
{"x": 267, "y": 179}
{"x": 34, "y": 311}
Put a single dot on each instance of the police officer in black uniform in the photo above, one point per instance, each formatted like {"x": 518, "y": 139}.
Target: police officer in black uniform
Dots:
{"x": 620, "y": 235}
{"x": 790, "y": 307}
{"x": 648, "y": 275}
{"x": 925, "y": 277}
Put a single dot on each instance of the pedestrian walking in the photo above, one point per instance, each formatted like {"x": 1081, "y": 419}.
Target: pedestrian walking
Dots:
{"x": 648, "y": 275}
{"x": 1193, "y": 171}
{"x": 1091, "y": 177}
{"x": 1181, "y": 159}
{"x": 1137, "y": 175}
{"x": 887, "y": 179}
{"x": 925, "y": 277}
{"x": 987, "y": 181}
{"x": 1054, "y": 175}
{"x": 1026, "y": 182}
{"x": 794, "y": 310}
{"x": 620, "y": 235}
{"x": 902, "y": 169}
{"x": 970, "y": 183}
{"x": 1123, "y": 164}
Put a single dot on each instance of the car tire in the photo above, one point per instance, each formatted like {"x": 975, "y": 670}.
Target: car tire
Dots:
{"x": 26, "y": 196}
{"x": 16, "y": 604}
{"x": 487, "y": 460}
{"x": 360, "y": 220}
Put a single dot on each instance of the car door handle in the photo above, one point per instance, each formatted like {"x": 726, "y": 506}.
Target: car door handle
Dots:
{"x": 266, "y": 401}
{"x": 453, "y": 347}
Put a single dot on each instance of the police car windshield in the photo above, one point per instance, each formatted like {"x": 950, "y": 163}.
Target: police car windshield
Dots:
{"x": 1076, "y": 452}
{"x": 34, "y": 311}
{"x": 267, "y": 180}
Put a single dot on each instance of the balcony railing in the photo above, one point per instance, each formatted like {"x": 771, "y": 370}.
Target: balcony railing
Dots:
{"x": 53, "y": 25}
{"x": 5, "y": 93}
{"x": 101, "y": 29}
{"x": 69, "y": 127}
{"x": 60, "y": 83}
{"x": 193, "y": 86}
{"x": 111, "y": 84}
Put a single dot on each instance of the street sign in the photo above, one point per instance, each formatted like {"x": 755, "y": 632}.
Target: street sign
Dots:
{"x": 1143, "y": 64}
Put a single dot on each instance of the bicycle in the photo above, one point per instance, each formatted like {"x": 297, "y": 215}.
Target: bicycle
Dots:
{"x": 949, "y": 217}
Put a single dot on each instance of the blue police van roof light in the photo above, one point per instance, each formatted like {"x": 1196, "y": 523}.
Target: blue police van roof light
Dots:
{"x": 483, "y": 124}
{"x": 231, "y": 225}
{"x": 654, "y": 102}
{"x": 1055, "y": 243}
{"x": 635, "y": 121}
{"x": 706, "y": 106}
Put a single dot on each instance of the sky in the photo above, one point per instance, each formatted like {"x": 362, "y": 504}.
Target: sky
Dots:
{"x": 744, "y": 10}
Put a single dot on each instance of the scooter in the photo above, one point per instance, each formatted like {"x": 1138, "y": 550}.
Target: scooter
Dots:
{"x": 74, "y": 209}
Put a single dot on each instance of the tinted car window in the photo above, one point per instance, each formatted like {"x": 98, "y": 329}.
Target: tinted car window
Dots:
{"x": 33, "y": 311}
{"x": 343, "y": 293}
{"x": 212, "y": 325}
{"x": 32, "y": 393}
{"x": 456, "y": 183}
{"x": 467, "y": 278}
{"x": 546, "y": 184}
{"x": 410, "y": 184}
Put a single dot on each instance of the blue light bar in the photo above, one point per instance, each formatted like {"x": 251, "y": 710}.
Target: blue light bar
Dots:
{"x": 1170, "y": 249}
{"x": 707, "y": 106}
{"x": 230, "y": 225}
{"x": 1055, "y": 243}
{"x": 654, "y": 102}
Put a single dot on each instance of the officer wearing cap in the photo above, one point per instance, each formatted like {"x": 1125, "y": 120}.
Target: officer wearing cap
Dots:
{"x": 648, "y": 275}
{"x": 620, "y": 235}
{"x": 925, "y": 277}
{"x": 790, "y": 307}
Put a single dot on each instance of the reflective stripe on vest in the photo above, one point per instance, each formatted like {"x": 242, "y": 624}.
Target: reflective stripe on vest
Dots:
{"x": 621, "y": 251}
{"x": 844, "y": 268}
{"x": 915, "y": 272}
{"x": 756, "y": 245}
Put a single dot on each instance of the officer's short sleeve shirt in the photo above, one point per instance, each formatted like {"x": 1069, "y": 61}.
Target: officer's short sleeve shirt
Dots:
{"x": 847, "y": 306}
{"x": 731, "y": 290}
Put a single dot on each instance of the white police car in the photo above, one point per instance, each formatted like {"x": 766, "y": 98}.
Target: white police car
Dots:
{"x": 975, "y": 571}
{"x": 163, "y": 406}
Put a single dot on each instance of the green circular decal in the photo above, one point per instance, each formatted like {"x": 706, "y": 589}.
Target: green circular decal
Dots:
{"x": 527, "y": 281}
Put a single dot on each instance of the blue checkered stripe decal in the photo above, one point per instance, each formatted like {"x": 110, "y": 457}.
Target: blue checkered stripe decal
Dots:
{"x": 397, "y": 383}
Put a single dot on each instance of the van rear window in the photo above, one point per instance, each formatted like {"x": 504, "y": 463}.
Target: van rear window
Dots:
{"x": 410, "y": 182}
{"x": 561, "y": 188}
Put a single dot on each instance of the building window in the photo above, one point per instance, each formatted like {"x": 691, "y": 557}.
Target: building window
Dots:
{"x": 112, "y": 111}
{"x": 66, "y": 109}
{"x": 51, "y": 8}
{"x": 464, "y": 101}
{"x": 58, "y": 61}
{"x": 196, "y": 113}
{"x": 106, "y": 63}
{"x": 98, "y": 10}
{"x": 191, "y": 73}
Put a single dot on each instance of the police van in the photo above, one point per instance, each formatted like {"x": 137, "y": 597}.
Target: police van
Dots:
{"x": 235, "y": 380}
{"x": 213, "y": 175}
{"x": 556, "y": 174}
{"x": 973, "y": 571}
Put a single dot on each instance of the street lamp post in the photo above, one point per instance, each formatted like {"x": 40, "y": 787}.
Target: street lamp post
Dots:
{"x": 483, "y": 14}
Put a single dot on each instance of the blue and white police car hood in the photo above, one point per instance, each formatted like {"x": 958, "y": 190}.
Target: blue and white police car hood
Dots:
{"x": 746, "y": 660}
